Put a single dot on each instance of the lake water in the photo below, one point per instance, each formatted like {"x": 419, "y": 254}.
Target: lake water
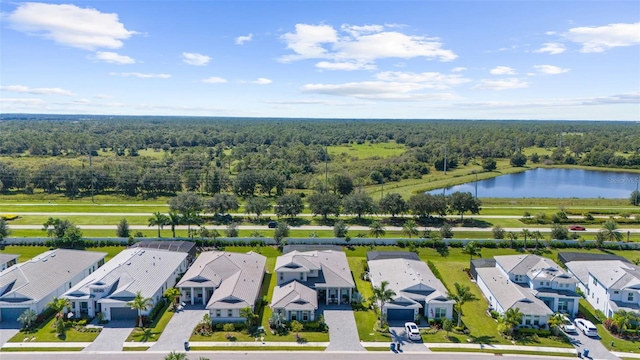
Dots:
{"x": 553, "y": 183}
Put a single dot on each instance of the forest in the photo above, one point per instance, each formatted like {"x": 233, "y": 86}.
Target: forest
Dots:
{"x": 150, "y": 156}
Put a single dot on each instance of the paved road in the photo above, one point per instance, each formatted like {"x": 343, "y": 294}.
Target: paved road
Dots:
{"x": 112, "y": 336}
{"x": 343, "y": 332}
{"x": 399, "y": 336}
{"x": 254, "y": 355}
{"x": 179, "y": 329}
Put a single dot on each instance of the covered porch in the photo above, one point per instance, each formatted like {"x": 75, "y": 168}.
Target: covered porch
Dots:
{"x": 196, "y": 295}
{"x": 334, "y": 296}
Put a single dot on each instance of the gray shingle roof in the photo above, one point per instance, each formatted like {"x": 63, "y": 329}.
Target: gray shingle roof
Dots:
{"x": 236, "y": 277}
{"x": 5, "y": 258}
{"x": 333, "y": 264}
{"x": 510, "y": 294}
{"x": 132, "y": 270}
{"x": 37, "y": 278}
{"x": 614, "y": 274}
{"x": 294, "y": 296}
{"x": 408, "y": 278}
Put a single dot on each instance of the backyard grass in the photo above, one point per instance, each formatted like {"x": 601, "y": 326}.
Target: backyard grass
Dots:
{"x": 153, "y": 332}
{"x": 46, "y": 332}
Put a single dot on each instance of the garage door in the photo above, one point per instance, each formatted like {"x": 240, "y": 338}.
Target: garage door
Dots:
{"x": 11, "y": 314}
{"x": 123, "y": 313}
{"x": 400, "y": 315}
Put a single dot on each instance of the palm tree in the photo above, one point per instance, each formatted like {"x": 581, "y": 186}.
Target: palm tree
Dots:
{"x": 58, "y": 305}
{"x": 376, "y": 229}
{"x": 410, "y": 228}
{"x": 159, "y": 219}
{"x": 537, "y": 235}
{"x": 512, "y": 318}
{"x": 249, "y": 316}
{"x": 174, "y": 219}
{"x": 512, "y": 237}
{"x": 4, "y": 229}
{"x": 555, "y": 322}
{"x": 191, "y": 218}
{"x": 472, "y": 248}
{"x": 49, "y": 226}
{"x": 173, "y": 296}
{"x": 610, "y": 231}
{"x": 382, "y": 294}
{"x": 28, "y": 318}
{"x": 526, "y": 233}
{"x": 175, "y": 356}
{"x": 140, "y": 303}
{"x": 463, "y": 295}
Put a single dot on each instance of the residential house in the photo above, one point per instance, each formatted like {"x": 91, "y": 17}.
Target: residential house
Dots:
{"x": 108, "y": 290}
{"x": 534, "y": 284}
{"x": 7, "y": 260}
{"x": 224, "y": 282}
{"x": 608, "y": 285}
{"x": 306, "y": 279}
{"x": 417, "y": 290}
{"x": 34, "y": 283}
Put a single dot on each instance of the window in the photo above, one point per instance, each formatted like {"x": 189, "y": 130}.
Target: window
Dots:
{"x": 527, "y": 319}
{"x": 595, "y": 282}
{"x": 519, "y": 278}
{"x": 630, "y": 297}
{"x": 440, "y": 313}
{"x": 301, "y": 276}
{"x": 218, "y": 312}
{"x": 281, "y": 276}
{"x": 616, "y": 292}
{"x": 536, "y": 320}
{"x": 229, "y": 313}
{"x": 563, "y": 306}
{"x": 305, "y": 316}
{"x": 70, "y": 285}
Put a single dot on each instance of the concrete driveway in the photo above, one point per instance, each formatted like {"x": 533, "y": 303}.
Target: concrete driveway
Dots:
{"x": 8, "y": 330}
{"x": 112, "y": 336}
{"x": 179, "y": 329}
{"x": 596, "y": 348}
{"x": 399, "y": 335}
{"x": 343, "y": 333}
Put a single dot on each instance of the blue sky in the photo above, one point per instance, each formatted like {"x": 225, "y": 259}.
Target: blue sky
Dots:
{"x": 575, "y": 60}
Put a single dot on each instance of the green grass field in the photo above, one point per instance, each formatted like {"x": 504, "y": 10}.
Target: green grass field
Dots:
{"x": 367, "y": 150}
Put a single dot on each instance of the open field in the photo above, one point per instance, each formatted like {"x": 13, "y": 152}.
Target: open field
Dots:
{"x": 366, "y": 150}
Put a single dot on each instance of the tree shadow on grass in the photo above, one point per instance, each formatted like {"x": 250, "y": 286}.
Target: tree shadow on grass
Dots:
{"x": 483, "y": 339}
{"x": 297, "y": 221}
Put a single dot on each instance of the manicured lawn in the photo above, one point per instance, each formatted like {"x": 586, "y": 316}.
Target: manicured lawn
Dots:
{"x": 606, "y": 338}
{"x": 222, "y": 336}
{"x": 41, "y": 349}
{"x": 47, "y": 333}
{"x": 153, "y": 332}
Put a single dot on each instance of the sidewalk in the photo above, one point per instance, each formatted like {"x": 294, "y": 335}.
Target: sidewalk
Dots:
{"x": 483, "y": 347}
{"x": 46, "y": 345}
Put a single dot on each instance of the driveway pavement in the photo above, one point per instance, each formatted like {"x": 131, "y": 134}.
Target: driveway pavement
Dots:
{"x": 112, "y": 336}
{"x": 179, "y": 329}
{"x": 399, "y": 335}
{"x": 343, "y": 333}
{"x": 596, "y": 348}
{"x": 7, "y": 331}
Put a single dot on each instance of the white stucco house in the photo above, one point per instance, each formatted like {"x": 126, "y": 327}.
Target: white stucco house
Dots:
{"x": 306, "y": 279}
{"x": 418, "y": 291}
{"x": 7, "y": 260}
{"x": 34, "y": 283}
{"x": 608, "y": 285}
{"x": 224, "y": 282}
{"x": 108, "y": 290}
{"x": 536, "y": 285}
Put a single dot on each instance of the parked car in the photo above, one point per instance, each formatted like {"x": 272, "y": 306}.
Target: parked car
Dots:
{"x": 586, "y": 327}
{"x": 568, "y": 326}
{"x": 577, "y": 228}
{"x": 413, "y": 333}
{"x": 272, "y": 224}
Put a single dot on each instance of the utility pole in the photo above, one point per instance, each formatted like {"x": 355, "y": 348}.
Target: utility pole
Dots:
{"x": 445, "y": 159}
{"x": 92, "y": 177}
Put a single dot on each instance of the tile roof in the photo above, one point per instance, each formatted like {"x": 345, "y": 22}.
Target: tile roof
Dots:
{"x": 236, "y": 277}
{"x": 129, "y": 272}
{"x": 40, "y": 276}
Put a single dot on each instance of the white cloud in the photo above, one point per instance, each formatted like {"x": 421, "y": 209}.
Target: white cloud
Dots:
{"x": 214, "y": 80}
{"x": 358, "y": 47}
{"x": 240, "y": 40}
{"x": 502, "y": 84}
{"x": 103, "y": 96}
{"x": 427, "y": 80}
{"x": 627, "y": 98}
{"x": 113, "y": 58}
{"x": 552, "y": 48}
{"x": 600, "y": 38}
{"x": 38, "y": 91}
{"x": 458, "y": 69}
{"x": 195, "y": 59}
{"x": 70, "y": 25}
{"x": 550, "y": 33}
{"x": 550, "y": 69}
{"x": 502, "y": 70}
{"x": 140, "y": 75}
{"x": 262, "y": 81}
{"x": 348, "y": 66}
